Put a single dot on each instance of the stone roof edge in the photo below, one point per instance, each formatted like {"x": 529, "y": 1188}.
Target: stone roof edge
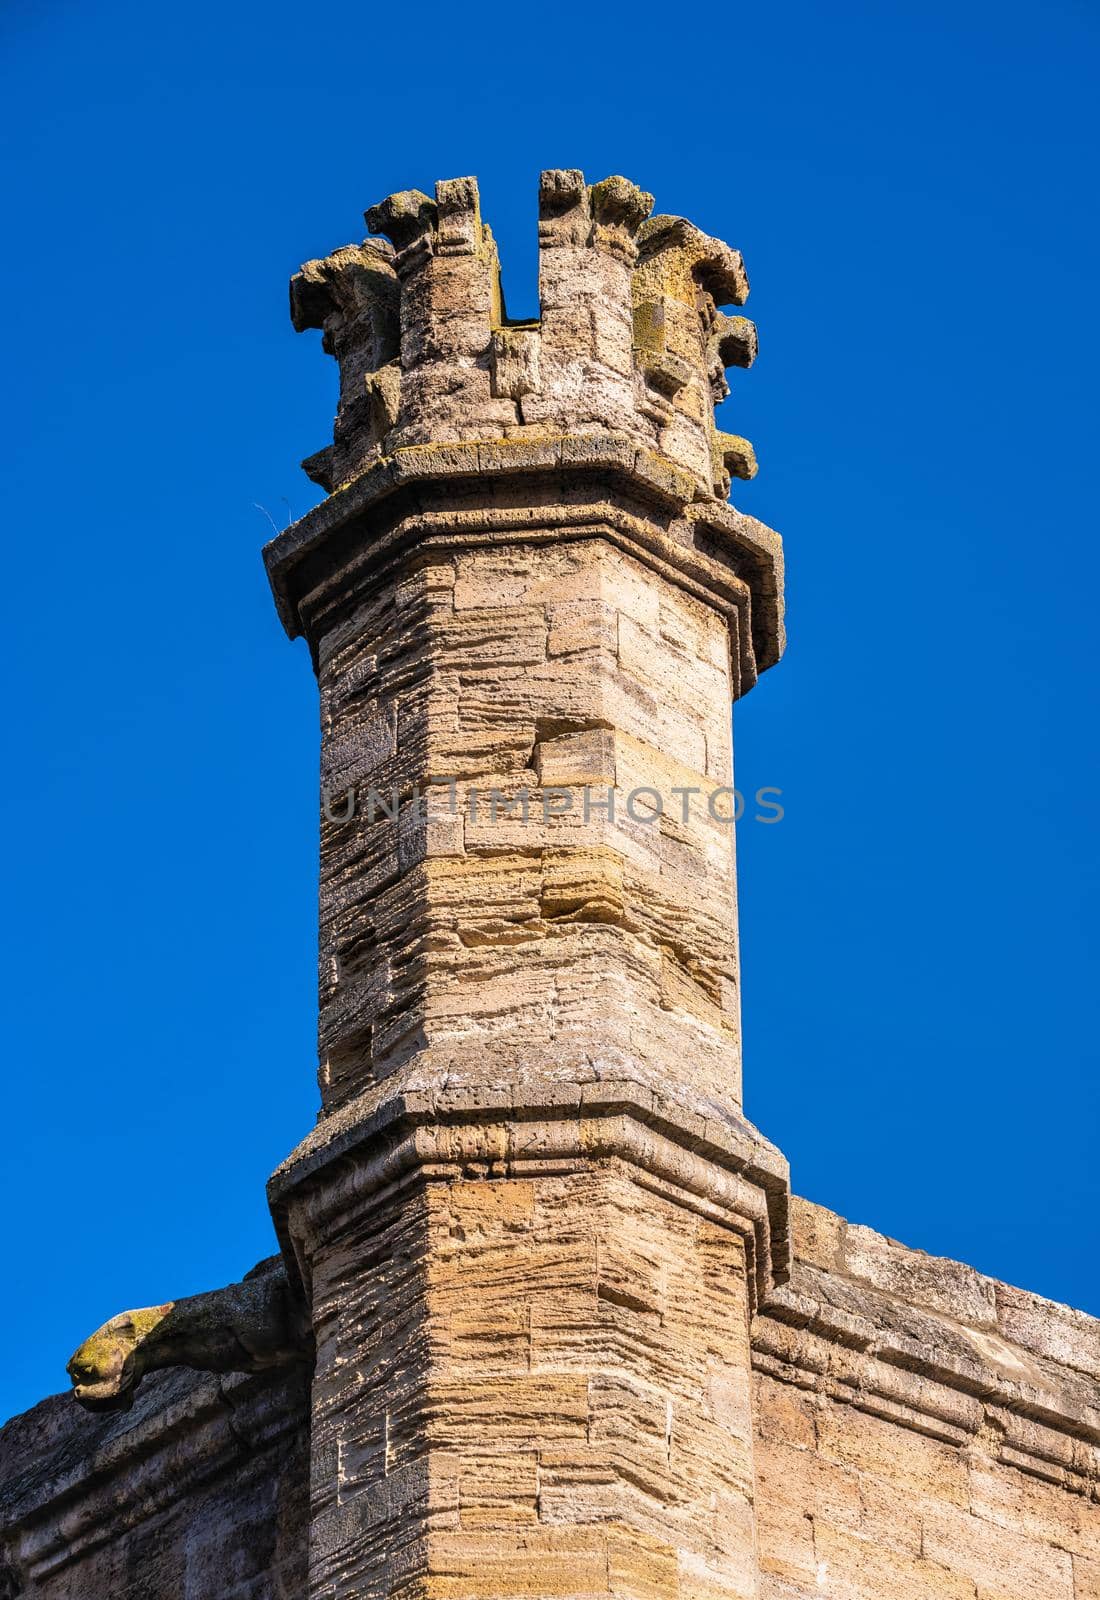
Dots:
{"x": 169, "y": 1449}
{"x": 759, "y": 548}
{"x": 931, "y": 1344}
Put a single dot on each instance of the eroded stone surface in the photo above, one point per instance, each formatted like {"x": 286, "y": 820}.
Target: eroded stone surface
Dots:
{"x": 921, "y": 1431}
{"x": 630, "y": 337}
{"x": 199, "y": 1490}
{"x": 563, "y": 1346}
{"x": 248, "y": 1327}
{"x": 515, "y": 1393}
{"x": 502, "y": 938}
{"x": 551, "y": 1376}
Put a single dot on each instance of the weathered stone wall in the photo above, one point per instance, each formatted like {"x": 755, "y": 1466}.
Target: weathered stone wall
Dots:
{"x": 518, "y": 1392}
{"x": 541, "y": 1404}
{"x": 197, "y": 1493}
{"x": 921, "y": 1431}
{"x": 520, "y": 931}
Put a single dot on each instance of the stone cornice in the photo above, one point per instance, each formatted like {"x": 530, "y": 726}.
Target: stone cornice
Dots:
{"x": 715, "y": 1164}
{"x": 897, "y": 1360}
{"x": 704, "y": 544}
{"x": 116, "y": 1473}
{"x": 443, "y": 532}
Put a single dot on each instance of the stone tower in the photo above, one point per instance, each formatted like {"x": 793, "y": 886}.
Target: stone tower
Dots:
{"x": 546, "y": 1323}
{"x": 532, "y": 1224}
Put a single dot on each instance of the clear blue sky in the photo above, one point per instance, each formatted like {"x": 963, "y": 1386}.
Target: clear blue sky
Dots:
{"x": 913, "y": 186}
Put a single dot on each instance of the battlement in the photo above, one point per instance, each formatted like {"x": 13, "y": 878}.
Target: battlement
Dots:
{"x": 631, "y": 339}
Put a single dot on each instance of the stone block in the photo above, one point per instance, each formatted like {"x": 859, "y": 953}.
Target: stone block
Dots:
{"x": 944, "y": 1286}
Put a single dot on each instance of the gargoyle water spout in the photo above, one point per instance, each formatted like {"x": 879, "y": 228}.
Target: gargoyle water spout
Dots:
{"x": 248, "y": 1327}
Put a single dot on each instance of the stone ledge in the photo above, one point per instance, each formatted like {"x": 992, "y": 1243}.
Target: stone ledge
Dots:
{"x": 86, "y": 1480}
{"x": 949, "y": 1289}
{"x": 699, "y": 573}
{"x": 920, "y": 1341}
{"x": 716, "y": 1163}
{"x": 753, "y": 550}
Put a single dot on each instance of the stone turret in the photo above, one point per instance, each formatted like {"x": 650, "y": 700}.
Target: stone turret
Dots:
{"x": 546, "y": 1322}
{"x": 531, "y": 1223}
{"x": 630, "y": 337}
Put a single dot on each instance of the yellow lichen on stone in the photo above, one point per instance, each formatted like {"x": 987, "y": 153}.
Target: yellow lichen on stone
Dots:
{"x": 101, "y": 1369}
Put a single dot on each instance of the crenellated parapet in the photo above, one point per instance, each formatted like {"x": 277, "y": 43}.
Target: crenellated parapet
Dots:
{"x": 353, "y": 297}
{"x": 684, "y": 343}
{"x": 632, "y": 339}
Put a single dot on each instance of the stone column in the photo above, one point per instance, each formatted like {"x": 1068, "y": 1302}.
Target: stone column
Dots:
{"x": 532, "y": 1223}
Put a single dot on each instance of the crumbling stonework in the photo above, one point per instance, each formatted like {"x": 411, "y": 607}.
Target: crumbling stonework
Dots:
{"x": 919, "y": 1431}
{"x": 196, "y": 1493}
{"x": 630, "y": 338}
{"x": 568, "y": 1335}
